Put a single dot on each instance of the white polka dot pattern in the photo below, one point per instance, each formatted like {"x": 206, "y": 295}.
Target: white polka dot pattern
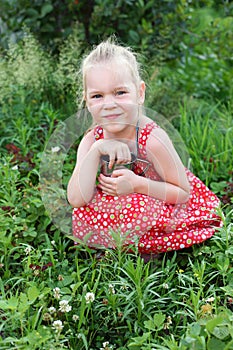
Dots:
{"x": 155, "y": 225}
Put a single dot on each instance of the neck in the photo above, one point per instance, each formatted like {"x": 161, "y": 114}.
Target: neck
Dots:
{"x": 128, "y": 133}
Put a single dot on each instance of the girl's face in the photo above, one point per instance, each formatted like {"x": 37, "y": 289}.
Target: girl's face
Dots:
{"x": 112, "y": 96}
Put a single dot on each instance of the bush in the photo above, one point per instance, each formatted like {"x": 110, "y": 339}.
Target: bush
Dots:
{"x": 30, "y": 75}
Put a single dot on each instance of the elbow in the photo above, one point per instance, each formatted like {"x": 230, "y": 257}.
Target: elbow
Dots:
{"x": 74, "y": 197}
{"x": 73, "y": 200}
{"x": 74, "y": 204}
{"x": 77, "y": 202}
{"x": 178, "y": 194}
{"x": 184, "y": 196}
{"x": 181, "y": 197}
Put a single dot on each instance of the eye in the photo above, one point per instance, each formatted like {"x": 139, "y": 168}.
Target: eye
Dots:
{"x": 121, "y": 92}
{"x": 96, "y": 96}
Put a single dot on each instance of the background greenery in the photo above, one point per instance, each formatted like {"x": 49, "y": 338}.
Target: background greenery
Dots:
{"x": 184, "y": 299}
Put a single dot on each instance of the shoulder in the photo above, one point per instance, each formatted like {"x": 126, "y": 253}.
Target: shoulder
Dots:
{"x": 147, "y": 125}
{"x": 155, "y": 133}
{"x": 87, "y": 140}
{"x": 159, "y": 140}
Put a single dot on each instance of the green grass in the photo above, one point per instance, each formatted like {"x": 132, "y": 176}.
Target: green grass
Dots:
{"x": 182, "y": 300}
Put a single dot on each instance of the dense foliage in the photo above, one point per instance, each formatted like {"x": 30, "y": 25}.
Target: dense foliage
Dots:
{"x": 54, "y": 295}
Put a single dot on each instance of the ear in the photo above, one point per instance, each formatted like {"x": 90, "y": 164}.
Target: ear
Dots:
{"x": 142, "y": 91}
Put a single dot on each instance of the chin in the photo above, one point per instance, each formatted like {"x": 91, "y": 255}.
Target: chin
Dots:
{"x": 113, "y": 127}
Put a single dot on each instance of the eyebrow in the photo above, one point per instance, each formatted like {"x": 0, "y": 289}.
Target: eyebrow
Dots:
{"x": 122, "y": 87}
{"x": 94, "y": 91}
{"x": 91, "y": 91}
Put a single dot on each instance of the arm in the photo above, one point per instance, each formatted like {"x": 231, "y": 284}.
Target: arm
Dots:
{"x": 82, "y": 184}
{"x": 161, "y": 190}
{"x": 167, "y": 163}
{"x": 173, "y": 187}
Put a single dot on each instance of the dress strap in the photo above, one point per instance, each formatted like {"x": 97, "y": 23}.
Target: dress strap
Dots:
{"x": 98, "y": 133}
{"x": 145, "y": 133}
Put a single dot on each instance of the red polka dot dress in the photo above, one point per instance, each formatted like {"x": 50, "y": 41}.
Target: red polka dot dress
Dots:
{"x": 140, "y": 219}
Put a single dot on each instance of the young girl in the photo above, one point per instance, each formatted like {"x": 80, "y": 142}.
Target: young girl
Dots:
{"x": 157, "y": 203}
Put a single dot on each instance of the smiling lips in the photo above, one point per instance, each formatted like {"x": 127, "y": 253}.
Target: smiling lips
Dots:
{"x": 112, "y": 116}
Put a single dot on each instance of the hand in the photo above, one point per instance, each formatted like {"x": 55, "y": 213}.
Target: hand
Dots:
{"x": 120, "y": 183}
{"x": 117, "y": 151}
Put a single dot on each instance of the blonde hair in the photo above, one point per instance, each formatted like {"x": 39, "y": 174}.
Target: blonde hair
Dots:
{"x": 107, "y": 51}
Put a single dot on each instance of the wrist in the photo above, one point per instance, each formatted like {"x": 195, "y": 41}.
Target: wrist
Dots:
{"x": 141, "y": 185}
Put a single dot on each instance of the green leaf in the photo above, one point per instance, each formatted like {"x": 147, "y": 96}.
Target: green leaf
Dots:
{"x": 33, "y": 293}
{"x": 32, "y": 13}
{"x": 221, "y": 332}
{"x": 139, "y": 340}
{"x": 211, "y": 324}
{"x": 228, "y": 290}
{"x": 134, "y": 36}
{"x": 215, "y": 344}
{"x": 3, "y": 305}
{"x": 159, "y": 320}
{"x": 195, "y": 329}
{"x": 149, "y": 325}
{"x": 67, "y": 280}
{"x": 10, "y": 304}
{"x": 47, "y": 8}
{"x": 23, "y": 304}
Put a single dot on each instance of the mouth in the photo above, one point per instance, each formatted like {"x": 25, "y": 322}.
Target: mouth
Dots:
{"x": 112, "y": 116}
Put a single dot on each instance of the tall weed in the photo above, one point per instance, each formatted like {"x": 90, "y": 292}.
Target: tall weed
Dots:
{"x": 207, "y": 131}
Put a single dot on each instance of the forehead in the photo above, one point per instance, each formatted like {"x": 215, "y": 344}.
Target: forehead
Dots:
{"x": 109, "y": 73}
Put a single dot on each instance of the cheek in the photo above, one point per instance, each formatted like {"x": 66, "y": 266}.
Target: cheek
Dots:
{"x": 94, "y": 108}
{"x": 130, "y": 107}
{"x": 94, "y": 103}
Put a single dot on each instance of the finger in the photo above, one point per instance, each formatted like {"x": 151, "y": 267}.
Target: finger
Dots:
{"x": 124, "y": 155}
{"x": 105, "y": 179}
{"x": 108, "y": 191}
{"x": 118, "y": 172}
{"x": 112, "y": 159}
{"x": 107, "y": 186}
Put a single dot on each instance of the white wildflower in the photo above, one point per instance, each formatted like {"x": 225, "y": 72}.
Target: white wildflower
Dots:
{"x": 165, "y": 286}
{"x": 167, "y": 324}
{"x": 55, "y": 149}
{"x": 106, "y": 346}
{"x": 56, "y": 292}
{"x": 64, "y": 306}
{"x": 111, "y": 289}
{"x": 90, "y": 297}
{"x": 28, "y": 250}
{"x": 210, "y": 300}
{"x": 15, "y": 167}
{"x": 52, "y": 310}
{"x": 124, "y": 287}
{"x": 75, "y": 318}
{"x": 58, "y": 326}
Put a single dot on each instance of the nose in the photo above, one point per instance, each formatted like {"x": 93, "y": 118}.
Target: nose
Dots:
{"x": 109, "y": 101}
